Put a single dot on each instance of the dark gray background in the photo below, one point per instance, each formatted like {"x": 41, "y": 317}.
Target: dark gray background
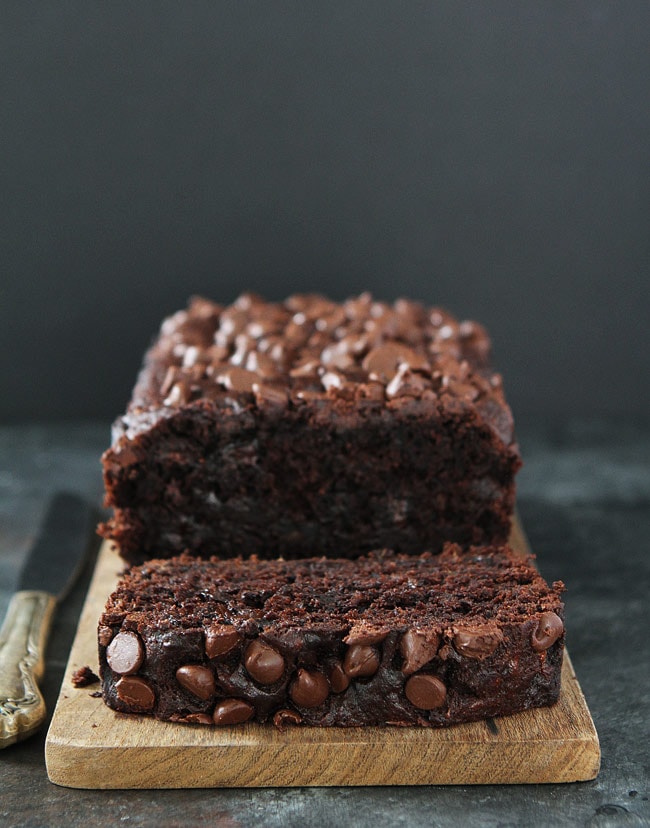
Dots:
{"x": 491, "y": 157}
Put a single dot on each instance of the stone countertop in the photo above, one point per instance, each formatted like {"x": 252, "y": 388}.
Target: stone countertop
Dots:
{"x": 584, "y": 499}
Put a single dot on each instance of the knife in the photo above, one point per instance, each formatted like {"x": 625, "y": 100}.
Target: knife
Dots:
{"x": 53, "y": 564}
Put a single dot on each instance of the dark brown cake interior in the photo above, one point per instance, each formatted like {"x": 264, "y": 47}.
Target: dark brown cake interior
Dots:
{"x": 427, "y": 590}
{"x": 310, "y": 427}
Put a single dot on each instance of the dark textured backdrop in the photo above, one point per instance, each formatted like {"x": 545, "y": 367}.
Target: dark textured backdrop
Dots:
{"x": 492, "y": 157}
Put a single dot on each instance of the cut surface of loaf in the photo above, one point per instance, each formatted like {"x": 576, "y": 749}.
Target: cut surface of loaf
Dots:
{"x": 309, "y": 427}
{"x": 387, "y": 639}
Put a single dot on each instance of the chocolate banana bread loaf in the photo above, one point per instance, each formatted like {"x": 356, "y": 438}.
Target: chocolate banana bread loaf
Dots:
{"x": 307, "y": 427}
{"x": 383, "y": 640}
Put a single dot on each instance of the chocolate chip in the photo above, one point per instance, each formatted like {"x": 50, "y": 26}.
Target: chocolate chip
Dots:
{"x": 306, "y": 395}
{"x": 263, "y": 327}
{"x": 298, "y": 331}
{"x": 125, "y": 653}
{"x": 233, "y": 321}
{"x": 238, "y": 379}
{"x": 286, "y": 717}
{"x": 440, "y": 316}
{"x": 104, "y": 635}
{"x": 220, "y": 639}
{"x": 337, "y": 356}
{"x": 301, "y": 302}
{"x": 216, "y": 355}
{"x": 205, "y": 308}
{"x": 232, "y": 711}
{"x": 332, "y": 379}
{"x": 192, "y": 718}
{"x": 361, "y": 661}
{"x": 275, "y": 347}
{"x": 332, "y": 320}
{"x": 269, "y": 396}
{"x": 309, "y": 689}
{"x": 136, "y": 692}
{"x": 358, "y": 307}
{"x": 406, "y": 384}
{"x": 197, "y": 679}
{"x": 448, "y": 331}
{"x": 172, "y": 324}
{"x": 417, "y": 649}
{"x": 169, "y": 380}
{"x": 247, "y": 300}
{"x": 414, "y": 312}
{"x": 339, "y": 679}
{"x": 190, "y": 356}
{"x": 549, "y": 629}
{"x": 263, "y": 663}
{"x": 306, "y": 368}
{"x": 317, "y": 342}
{"x": 178, "y": 395}
{"x": 262, "y": 365}
{"x": 479, "y": 642}
{"x": 425, "y": 692}
{"x": 460, "y": 388}
{"x": 383, "y": 362}
{"x": 364, "y": 635}
{"x": 319, "y": 307}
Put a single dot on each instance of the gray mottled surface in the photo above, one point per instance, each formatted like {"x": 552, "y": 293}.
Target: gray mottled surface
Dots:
{"x": 584, "y": 496}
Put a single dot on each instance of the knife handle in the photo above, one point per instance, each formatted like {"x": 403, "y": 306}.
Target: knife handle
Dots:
{"x": 22, "y": 661}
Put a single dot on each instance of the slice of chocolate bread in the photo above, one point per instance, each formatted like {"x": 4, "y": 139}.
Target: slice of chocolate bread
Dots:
{"x": 386, "y": 639}
{"x": 310, "y": 427}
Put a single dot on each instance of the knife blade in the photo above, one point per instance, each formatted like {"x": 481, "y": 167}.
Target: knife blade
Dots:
{"x": 53, "y": 564}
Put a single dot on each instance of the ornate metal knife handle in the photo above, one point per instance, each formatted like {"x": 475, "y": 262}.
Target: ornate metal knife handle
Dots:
{"x": 22, "y": 660}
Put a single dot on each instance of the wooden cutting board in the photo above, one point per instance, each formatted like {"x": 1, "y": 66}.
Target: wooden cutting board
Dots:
{"x": 91, "y": 746}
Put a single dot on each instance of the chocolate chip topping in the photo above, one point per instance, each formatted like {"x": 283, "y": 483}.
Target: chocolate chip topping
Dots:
{"x": 549, "y": 628}
{"x": 282, "y": 718}
{"x": 232, "y": 711}
{"x": 263, "y": 663}
{"x": 425, "y": 692}
{"x": 197, "y": 679}
{"x": 383, "y": 362}
{"x": 417, "y": 648}
{"x": 361, "y": 661}
{"x": 339, "y": 679}
{"x": 220, "y": 639}
{"x": 125, "y": 653}
{"x": 238, "y": 379}
{"x": 309, "y": 348}
{"x": 309, "y": 689}
{"x": 478, "y": 642}
{"x": 136, "y": 692}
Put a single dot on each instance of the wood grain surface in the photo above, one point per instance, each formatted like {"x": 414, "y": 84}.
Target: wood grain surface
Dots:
{"x": 91, "y": 746}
